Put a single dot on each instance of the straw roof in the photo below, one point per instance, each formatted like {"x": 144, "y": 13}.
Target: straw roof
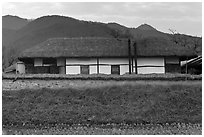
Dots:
{"x": 103, "y": 47}
{"x": 157, "y": 46}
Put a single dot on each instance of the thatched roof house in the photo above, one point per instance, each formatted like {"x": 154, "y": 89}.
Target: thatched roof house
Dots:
{"x": 105, "y": 55}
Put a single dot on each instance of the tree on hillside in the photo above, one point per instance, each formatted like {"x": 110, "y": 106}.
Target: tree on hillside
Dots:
{"x": 11, "y": 53}
{"x": 8, "y": 57}
{"x": 120, "y": 34}
{"x": 190, "y": 42}
{"x": 197, "y": 42}
{"x": 186, "y": 41}
{"x": 3, "y": 58}
{"x": 176, "y": 38}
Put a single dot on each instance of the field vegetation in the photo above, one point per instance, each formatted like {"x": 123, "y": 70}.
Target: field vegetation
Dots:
{"x": 127, "y": 104}
{"x": 109, "y": 129}
{"x": 129, "y": 77}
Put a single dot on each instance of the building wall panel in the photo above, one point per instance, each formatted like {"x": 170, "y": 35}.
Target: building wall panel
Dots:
{"x": 72, "y": 69}
{"x": 93, "y": 69}
{"x": 150, "y": 61}
{"x": 105, "y": 68}
{"x": 41, "y": 70}
{"x": 172, "y": 68}
{"x": 149, "y": 70}
{"x": 53, "y": 70}
{"x": 61, "y": 62}
{"x": 20, "y": 67}
{"x": 124, "y": 69}
{"x": 29, "y": 69}
{"x": 82, "y": 61}
{"x": 113, "y": 61}
{"x": 38, "y": 62}
{"x": 62, "y": 69}
{"x": 143, "y": 64}
{"x": 172, "y": 60}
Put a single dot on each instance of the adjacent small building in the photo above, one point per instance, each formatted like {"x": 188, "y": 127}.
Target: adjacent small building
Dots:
{"x": 192, "y": 66}
{"x": 96, "y": 55}
{"x": 11, "y": 69}
{"x": 16, "y": 68}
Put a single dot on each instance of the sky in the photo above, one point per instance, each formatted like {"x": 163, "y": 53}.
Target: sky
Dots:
{"x": 184, "y": 17}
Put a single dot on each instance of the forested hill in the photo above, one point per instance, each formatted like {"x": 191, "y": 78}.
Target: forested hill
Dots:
{"x": 19, "y": 34}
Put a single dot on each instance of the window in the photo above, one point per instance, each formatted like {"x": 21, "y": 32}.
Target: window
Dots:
{"x": 172, "y": 60}
{"x": 172, "y": 65}
{"x": 49, "y": 61}
{"x": 38, "y": 62}
{"x": 84, "y": 69}
{"x": 115, "y": 69}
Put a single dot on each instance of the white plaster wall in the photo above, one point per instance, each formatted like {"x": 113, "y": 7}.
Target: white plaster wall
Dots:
{"x": 150, "y": 61}
{"x": 20, "y": 68}
{"x": 38, "y": 62}
{"x": 113, "y": 61}
{"x": 80, "y": 61}
{"x": 105, "y": 69}
{"x": 149, "y": 70}
{"x": 72, "y": 69}
{"x": 124, "y": 69}
{"x": 93, "y": 69}
{"x": 157, "y": 61}
{"x": 76, "y": 69}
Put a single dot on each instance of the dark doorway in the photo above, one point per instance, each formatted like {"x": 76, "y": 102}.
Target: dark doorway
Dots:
{"x": 84, "y": 69}
{"x": 115, "y": 69}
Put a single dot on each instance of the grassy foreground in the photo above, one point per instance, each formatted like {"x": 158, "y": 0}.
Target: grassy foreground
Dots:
{"x": 109, "y": 129}
{"x": 127, "y": 104}
{"x": 125, "y": 77}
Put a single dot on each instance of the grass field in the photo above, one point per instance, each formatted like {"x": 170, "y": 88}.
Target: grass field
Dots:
{"x": 109, "y": 129}
{"x": 125, "y": 77}
{"x": 152, "y": 103}
{"x": 81, "y": 84}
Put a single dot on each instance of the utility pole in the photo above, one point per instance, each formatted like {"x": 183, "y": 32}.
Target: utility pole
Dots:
{"x": 186, "y": 65}
{"x": 135, "y": 56}
{"x": 129, "y": 55}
